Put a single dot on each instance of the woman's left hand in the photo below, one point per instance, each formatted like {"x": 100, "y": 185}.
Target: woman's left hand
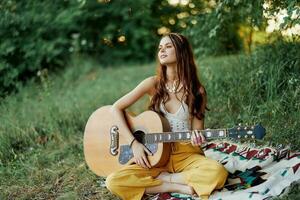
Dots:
{"x": 197, "y": 138}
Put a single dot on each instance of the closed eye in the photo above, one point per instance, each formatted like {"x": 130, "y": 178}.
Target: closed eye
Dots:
{"x": 169, "y": 46}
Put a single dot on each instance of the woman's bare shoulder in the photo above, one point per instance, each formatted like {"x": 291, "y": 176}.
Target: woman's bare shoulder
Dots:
{"x": 149, "y": 83}
{"x": 152, "y": 79}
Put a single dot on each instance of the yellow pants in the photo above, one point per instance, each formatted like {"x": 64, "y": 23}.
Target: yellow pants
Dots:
{"x": 199, "y": 172}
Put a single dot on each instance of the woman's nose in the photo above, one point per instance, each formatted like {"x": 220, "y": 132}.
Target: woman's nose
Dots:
{"x": 162, "y": 49}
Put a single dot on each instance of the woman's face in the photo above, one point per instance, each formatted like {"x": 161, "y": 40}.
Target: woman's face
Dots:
{"x": 166, "y": 51}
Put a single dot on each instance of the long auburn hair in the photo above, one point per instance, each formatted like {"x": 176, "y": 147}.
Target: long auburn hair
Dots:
{"x": 193, "y": 90}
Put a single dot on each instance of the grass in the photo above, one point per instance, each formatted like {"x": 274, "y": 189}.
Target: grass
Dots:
{"x": 41, "y": 128}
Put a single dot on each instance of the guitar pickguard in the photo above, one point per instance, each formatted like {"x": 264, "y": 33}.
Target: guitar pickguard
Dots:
{"x": 126, "y": 152}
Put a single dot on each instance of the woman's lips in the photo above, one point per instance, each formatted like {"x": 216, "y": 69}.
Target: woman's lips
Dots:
{"x": 163, "y": 56}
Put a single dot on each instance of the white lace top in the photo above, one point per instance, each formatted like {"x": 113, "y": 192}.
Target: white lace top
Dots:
{"x": 178, "y": 121}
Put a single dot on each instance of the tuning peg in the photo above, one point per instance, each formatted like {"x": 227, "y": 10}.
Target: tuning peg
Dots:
{"x": 280, "y": 146}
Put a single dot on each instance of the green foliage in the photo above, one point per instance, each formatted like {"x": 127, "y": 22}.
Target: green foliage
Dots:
{"x": 293, "y": 11}
{"x": 39, "y": 35}
{"x": 278, "y": 69}
{"x": 35, "y": 36}
{"x": 217, "y": 29}
{"x": 262, "y": 87}
{"x": 211, "y": 37}
{"x": 277, "y": 85}
{"x": 104, "y": 24}
{"x": 44, "y": 34}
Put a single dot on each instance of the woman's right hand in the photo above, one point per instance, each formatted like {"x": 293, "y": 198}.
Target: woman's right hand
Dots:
{"x": 139, "y": 154}
{"x": 197, "y": 138}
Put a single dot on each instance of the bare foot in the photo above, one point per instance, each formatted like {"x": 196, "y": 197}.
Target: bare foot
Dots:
{"x": 185, "y": 189}
{"x": 171, "y": 187}
{"x": 174, "y": 186}
{"x": 164, "y": 176}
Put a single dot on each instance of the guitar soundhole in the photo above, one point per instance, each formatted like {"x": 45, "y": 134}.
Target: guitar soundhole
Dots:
{"x": 139, "y": 136}
{"x": 126, "y": 152}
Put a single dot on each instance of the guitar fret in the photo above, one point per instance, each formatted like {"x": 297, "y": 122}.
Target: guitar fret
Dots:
{"x": 172, "y": 137}
{"x": 183, "y": 136}
{"x": 188, "y": 135}
{"x": 208, "y": 134}
{"x": 221, "y": 133}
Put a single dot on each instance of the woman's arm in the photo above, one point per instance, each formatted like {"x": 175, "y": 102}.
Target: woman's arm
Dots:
{"x": 145, "y": 87}
{"x": 197, "y": 124}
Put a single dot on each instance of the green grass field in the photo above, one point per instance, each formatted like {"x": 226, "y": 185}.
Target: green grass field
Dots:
{"x": 41, "y": 130}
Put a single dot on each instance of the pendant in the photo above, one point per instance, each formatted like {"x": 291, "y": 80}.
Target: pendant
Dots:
{"x": 173, "y": 89}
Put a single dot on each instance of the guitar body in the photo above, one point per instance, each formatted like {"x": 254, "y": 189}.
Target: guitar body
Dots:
{"x": 107, "y": 150}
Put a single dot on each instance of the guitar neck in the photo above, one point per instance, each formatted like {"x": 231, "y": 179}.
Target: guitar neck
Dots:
{"x": 183, "y": 136}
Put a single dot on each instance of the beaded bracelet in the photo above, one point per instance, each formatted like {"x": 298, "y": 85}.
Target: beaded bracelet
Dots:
{"x": 131, "y": 142}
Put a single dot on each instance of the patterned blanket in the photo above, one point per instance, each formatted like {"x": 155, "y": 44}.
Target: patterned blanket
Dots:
{"x": 255, "y": 173}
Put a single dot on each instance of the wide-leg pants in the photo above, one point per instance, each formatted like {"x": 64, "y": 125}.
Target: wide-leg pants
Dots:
{"x": 199, "y": 172}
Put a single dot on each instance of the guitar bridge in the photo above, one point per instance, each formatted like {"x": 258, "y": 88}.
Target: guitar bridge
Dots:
{"x": 114, "y": 140}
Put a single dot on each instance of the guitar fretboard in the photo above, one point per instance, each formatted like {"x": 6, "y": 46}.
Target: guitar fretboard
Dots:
{"x": 183, "y": 136}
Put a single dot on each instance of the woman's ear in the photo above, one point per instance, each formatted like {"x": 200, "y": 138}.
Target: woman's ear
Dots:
{"x": 202, "y": 91}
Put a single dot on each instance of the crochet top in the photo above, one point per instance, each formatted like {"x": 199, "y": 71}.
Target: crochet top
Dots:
{"x": 178, "y": 121}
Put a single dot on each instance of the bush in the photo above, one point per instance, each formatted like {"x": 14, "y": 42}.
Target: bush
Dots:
{"x": 36, "y": 36}
{"x": 262, "y": 87}
{"x": 210, "y": 37}
{"x": 43, "y": 34}
{"x": 277, "y": 84}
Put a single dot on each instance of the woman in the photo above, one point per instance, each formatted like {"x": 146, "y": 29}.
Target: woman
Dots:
{"x": 177, "y": 94}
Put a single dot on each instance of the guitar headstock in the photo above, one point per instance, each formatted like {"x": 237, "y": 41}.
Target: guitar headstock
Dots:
{"x": 239, "y": 132}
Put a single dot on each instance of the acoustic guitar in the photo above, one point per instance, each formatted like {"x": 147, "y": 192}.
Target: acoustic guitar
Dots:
{"x": 106, "y": 149}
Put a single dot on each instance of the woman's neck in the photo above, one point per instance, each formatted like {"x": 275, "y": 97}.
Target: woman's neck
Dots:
{"x": 171, "y": 72}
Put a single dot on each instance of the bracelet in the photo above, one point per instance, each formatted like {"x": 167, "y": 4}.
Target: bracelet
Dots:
{"x": 131, "y": 142}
